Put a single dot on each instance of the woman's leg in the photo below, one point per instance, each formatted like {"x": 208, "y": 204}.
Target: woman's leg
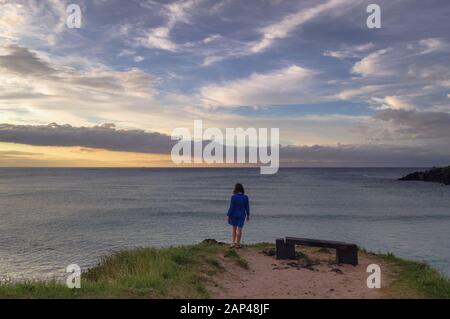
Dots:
{"x": 233, "y": 234}
{"x": 239, "y": 236}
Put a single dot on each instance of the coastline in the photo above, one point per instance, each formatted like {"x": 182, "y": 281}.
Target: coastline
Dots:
{"x": 212, "y": 270}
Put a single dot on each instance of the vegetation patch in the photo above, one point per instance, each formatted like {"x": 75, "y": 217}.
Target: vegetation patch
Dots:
{"x": 176, "y": 272}
{"x": 411, "y": 279}
{"x": 183, "y": 272}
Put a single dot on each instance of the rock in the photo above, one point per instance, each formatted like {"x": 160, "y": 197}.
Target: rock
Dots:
{"x": 337, "y": 270}
{"x": 268, "y": 252}
{"x": 306, "y": 264}
{"x": 211, "y": 241}
{"x": 438, "y": 175}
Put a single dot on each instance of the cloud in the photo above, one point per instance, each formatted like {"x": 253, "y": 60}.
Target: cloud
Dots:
{"x": 411, "y": 124}
{"x": 104, "y": 136}
{"x": 49, "y": 73}
{"x": 176, "y": 12}
{"x": 283, "y": 86}
{"x": 362, "y": 91}
{"x": 27, "y": 75}
{"x": 11, "y": 19}
{"x": 269, "y": 34}
{"x": 373, "y": 64}
{"x": 354, "y": 51}
{"x": 212, "y": 38}
{"x": 21, "y": 61}
{"x": 283, "y": 28}
{"x": 392, "y": 103}
{"x": 32, "y": 20}
{"x": 131, "y": 53}
{"x": 410, "y": 61}
{"x": 432, "y": 45}
{"x": 108, "y": 137}
{"x": 14, "y": 154}
{"x": 368, "y": 155}
{"x": 159, "y": 38}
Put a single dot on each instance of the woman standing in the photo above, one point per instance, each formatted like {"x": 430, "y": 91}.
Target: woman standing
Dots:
{"x": 237, "y": 213}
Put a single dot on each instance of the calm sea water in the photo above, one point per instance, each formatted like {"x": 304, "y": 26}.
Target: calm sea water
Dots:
{"x": 50, "y": 218}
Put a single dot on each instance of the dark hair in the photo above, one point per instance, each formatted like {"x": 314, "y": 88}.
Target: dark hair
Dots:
{"x": 238, "y": 188}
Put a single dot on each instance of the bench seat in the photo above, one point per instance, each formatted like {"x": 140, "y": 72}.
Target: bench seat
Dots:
{"x": 345, "y": 253}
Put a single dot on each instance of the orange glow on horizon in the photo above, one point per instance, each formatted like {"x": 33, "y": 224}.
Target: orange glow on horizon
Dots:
{"x": 21, "y": 155}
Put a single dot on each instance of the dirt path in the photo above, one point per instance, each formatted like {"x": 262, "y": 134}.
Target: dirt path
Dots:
{"x": 270, "y": 278}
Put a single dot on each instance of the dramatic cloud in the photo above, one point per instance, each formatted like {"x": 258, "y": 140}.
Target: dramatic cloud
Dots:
{"x": 105, "y": 136}
{"x": 311, "y": 68}
{"x": 108, "y": 137}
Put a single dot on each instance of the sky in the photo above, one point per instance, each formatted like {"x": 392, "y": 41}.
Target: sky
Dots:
{"x": 111, "y": 92}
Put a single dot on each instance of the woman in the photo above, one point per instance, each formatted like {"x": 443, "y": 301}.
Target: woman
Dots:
{"x": 238, "y": 211}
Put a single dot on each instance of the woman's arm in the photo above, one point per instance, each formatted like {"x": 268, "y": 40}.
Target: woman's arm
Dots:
{"x": 247, "y": 208}
{"x": 230, "y": 210}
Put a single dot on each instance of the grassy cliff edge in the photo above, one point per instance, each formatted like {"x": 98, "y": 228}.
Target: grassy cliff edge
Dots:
{"x": 181, "y": 272}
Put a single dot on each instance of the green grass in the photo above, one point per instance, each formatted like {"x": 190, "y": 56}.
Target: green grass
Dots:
{"x": 182, "y": 272}
{"x": 177, "y": 272}
{"x": 233, "y": 255}
{"x": 411, "y": 279}
{"x": 261, "y": 246}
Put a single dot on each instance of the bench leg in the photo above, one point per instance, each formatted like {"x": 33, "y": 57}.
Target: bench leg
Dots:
{"x": 285, "y": 251}
{"x": 347, "y": 255}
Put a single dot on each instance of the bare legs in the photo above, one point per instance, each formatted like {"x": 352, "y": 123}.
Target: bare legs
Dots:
{"x": 236, "y": 235}
{"x": 233, "y": 235}
{"x": 239, "y": 236}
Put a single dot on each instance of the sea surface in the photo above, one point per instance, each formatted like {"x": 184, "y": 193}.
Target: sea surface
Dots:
{"x": 50, "y": 218}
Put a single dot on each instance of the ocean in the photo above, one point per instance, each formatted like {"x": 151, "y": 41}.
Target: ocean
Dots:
{"x": 50, "y": 218}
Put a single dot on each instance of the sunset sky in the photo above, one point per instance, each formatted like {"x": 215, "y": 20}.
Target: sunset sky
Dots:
{"x": 111, "y": 92}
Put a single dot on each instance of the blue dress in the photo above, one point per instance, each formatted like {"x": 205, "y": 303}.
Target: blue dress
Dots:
{"x": 239, "y": 210}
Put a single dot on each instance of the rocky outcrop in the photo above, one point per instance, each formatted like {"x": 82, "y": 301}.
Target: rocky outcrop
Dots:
{"x": 438, "y": 175}
{"x": 211, "y": 241}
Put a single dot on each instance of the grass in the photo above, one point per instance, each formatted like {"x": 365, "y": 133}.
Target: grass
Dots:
{"x": 411, "y": 279}
{"x": 177, "y": 272}
{"x": 183, "y": 272}
{"x": 233, "y": 255}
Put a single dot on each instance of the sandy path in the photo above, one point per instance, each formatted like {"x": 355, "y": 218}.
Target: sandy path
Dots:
{"x": 268, "y": 277}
